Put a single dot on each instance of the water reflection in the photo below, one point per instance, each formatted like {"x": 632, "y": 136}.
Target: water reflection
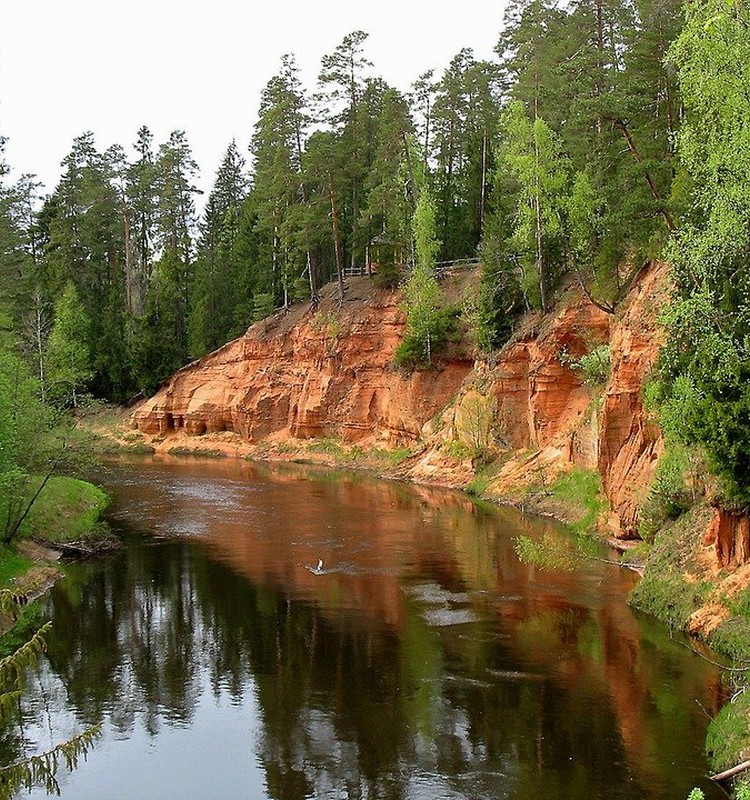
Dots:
{"x": 426, "y": 662}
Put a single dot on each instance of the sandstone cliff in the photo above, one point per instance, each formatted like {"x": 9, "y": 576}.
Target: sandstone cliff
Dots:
{"x": 547, "y": 419}
{"x": 305, "y": 374}
{"x": 329, "y": 373}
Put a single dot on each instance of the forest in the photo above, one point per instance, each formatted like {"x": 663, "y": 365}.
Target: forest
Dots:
{"x": 605, "y": 134}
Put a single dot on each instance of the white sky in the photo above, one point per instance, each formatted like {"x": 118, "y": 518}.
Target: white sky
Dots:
{"x": 68, "y": 66}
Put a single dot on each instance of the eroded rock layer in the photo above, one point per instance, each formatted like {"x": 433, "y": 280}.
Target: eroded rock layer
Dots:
{"x": 305, "y": 374}
{"x": 329, "y": 373}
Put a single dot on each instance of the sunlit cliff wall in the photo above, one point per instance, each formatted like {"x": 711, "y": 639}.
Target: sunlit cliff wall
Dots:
{"x": 329, "y": 373}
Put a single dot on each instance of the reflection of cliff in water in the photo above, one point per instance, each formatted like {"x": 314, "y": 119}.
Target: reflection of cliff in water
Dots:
{"x": 546, "y": 687}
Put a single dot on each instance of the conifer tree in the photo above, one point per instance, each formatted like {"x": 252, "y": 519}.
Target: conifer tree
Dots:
{"x": 279, "y": 186}
{"x": 211, "y": 313}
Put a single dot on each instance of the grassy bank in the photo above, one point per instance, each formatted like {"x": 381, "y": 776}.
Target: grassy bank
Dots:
{"x": 67, "y": 510}
{"x": 676, "y": 589}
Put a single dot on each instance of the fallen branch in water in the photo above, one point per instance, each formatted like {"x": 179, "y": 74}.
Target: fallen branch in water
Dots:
{"x": 728, "y": 773}
{"x": 82, "y": 548}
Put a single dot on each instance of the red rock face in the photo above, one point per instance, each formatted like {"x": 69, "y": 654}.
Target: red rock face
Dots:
{"x": 728, "y": 536}
{"x": 330, "y": 374}
{"x": 302, "y": 374}
{"x": 629, "y": 443}
{"x": 540, "y": 398}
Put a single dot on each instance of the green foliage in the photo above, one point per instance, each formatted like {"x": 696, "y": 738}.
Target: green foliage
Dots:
{"x": 197, "y": 452}
{"x": 663, "y": 591}
{"x": 729, "y": 732}
{"x": 68, "y": 356}
{"x": 39, "y": 769}
{"x": 477, "y": 486}
{"x": 424, "y": 229}
{"x": 696, "y": 794}
{"x": 533, "y": 158}
{"x": 66, "y": 509}
{"x": 388, "y": 276}
{"x": 429, "y": 330}
{"x": 548, "y": 554}
{"x": 668, "y": 597}
{"x": 704, "y": 366}
{"x": 11, "y": 565}
{"x": 581, "y": 488}
{"x": 263, "y": 306}
{"x": 474, "y": 422}
{"x": 430, "y": 323}
{"x": 732, "y": 637}
{"x": 669, "y": 494}
{"x": 490, "y": 311}
{"x": 593, "y": 366}
{"x": 27, "y": 445}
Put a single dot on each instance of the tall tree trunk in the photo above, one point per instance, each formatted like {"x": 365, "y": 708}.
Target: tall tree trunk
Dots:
{"x": 336, "y": 239}
{"x": 538, "y": 236}
{"x": 655, "y": 193}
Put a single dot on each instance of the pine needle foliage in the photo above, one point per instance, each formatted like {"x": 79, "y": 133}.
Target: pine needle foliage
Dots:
{"x": 39, "y": 769}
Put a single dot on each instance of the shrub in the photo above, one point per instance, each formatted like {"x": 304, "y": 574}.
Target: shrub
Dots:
{"x": 668, "y": 495}
{"x": 593, "y": 367}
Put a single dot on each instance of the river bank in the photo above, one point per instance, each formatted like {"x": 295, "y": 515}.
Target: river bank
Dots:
{"x": 65, "y": 519}
{"x": 554, "y": 424}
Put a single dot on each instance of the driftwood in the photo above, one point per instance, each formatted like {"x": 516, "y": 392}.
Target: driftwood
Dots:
{"x": 728, "y": 773}
{"x": 84, "y": 548}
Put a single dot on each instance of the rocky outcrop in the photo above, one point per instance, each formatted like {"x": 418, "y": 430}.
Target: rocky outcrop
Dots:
{"x": 329, "y": 373}
{"x": 547, "y": 419}
{"x": 629, "y": 442}
{"x": 305, "y": 374}
{"x": 727, "y": 538}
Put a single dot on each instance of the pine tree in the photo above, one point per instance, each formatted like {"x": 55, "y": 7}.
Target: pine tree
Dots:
{"x": 464, "y": 120}
{"x": 279, "y": 185}
{"x": 211, "y": 314}
{"x": 85, "y": 244}
{"x": 170, "y": 290}
{"x": 141, "y": 200}
{"x": 344, "y": 84}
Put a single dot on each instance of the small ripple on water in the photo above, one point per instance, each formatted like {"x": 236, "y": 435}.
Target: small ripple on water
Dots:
{"x": 515, "y": 675}
{"x": 443, "y": 617}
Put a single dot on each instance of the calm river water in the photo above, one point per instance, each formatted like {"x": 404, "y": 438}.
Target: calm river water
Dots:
{"x": 424, "y": 662}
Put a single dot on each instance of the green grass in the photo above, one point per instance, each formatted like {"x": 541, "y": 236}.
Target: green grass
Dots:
{"x": 11, "y": 565}
{"x": 197, "y": 452}
{"x": 729, "y": 733}
{"x": 456, "y": 449}
{"x": 477, "y": 486}
{"x": 663, "y": 591}
{"x": 581, "y": 488}
{"x": 329, "y": 446}
{"x": 30, "y": 618}
{"x": 66, "y": 510}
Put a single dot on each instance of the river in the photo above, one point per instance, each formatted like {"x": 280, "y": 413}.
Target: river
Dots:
{"x": 424, "y": 661}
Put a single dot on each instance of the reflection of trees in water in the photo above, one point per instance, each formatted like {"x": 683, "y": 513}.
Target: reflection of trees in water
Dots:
{"x": 129, "y": 640}
{"x": 348, "y": 702}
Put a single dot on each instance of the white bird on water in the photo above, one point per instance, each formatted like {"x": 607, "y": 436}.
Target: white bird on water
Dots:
{"x": 317, "y": 570}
